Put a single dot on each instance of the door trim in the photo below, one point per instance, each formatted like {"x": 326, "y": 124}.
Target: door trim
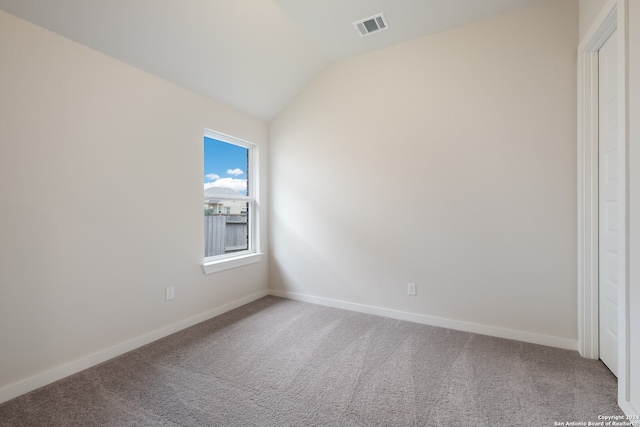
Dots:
{"x": 613, "y": 16}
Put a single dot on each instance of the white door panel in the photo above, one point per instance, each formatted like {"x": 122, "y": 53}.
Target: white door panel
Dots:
{"x": 608, "y": 204}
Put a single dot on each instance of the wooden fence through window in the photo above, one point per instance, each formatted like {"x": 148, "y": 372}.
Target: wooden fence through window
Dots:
{"x": 225, "y": 234}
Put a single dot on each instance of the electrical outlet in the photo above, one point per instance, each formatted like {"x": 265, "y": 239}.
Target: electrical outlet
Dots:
{"x": 169, "y": 293}
{"x": 411, "y": 289}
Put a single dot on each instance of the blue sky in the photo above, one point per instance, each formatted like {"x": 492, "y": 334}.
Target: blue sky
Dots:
{"x": 225, "y": 165}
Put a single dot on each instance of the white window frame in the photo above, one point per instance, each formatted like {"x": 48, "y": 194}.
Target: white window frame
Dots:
{"x": 252, "y": 255}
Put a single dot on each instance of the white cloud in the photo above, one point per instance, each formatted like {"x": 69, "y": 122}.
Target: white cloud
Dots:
{"x": 236, "y": 171}
{"x": 239, "y": 185}
{"x": 212, "y": 177}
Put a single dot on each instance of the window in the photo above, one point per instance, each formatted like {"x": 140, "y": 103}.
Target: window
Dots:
{"x": 230, "y": 187}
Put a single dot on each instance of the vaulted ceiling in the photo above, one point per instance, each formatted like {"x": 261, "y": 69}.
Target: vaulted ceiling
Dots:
{"x": 254, "y": 55}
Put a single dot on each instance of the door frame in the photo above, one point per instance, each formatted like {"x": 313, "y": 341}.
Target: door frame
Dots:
{"x": 614, "y": 15}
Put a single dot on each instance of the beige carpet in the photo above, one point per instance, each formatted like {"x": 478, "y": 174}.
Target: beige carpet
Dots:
{"x": 277, "y": 362}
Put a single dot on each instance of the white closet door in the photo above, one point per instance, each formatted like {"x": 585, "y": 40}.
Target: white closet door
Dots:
{"x": 608, "y": 204}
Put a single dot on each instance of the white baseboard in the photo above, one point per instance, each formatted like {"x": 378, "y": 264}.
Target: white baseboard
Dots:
{"x": 21, "y": 387}
{"x": 476, "y": 328}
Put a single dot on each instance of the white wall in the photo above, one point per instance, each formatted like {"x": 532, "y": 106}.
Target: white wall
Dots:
{"x": 589, "y": 10}
{"x": 100, "y": 206}
{"x": 473, "y": 132}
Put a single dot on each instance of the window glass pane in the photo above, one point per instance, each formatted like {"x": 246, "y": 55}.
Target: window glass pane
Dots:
{"x": 225, "y": 167}
{"x": 226, "y": 220}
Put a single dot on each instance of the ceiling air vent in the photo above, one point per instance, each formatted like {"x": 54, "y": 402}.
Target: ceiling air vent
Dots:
{"x": 370, "y": 25}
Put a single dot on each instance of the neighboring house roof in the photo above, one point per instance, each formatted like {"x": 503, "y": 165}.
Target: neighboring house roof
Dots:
{"x": 213, "y": 192}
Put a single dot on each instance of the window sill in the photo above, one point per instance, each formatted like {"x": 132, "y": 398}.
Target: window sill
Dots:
{"x": 228, "y": 263}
